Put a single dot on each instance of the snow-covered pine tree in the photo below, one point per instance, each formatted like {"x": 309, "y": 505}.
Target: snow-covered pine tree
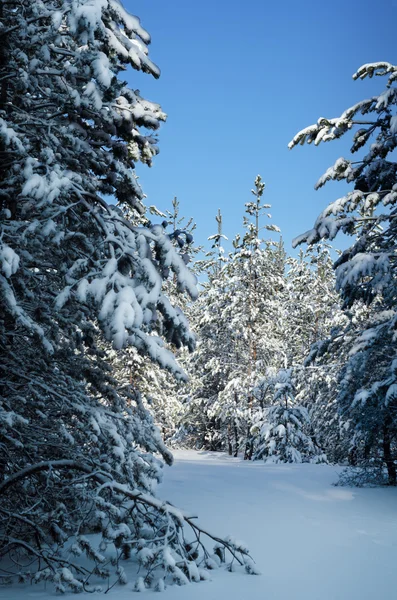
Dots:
{"x": 366, "y": 272}
{"x": 77, "y": 448}
{"x": 207, "y": 366}
{"x": 313, "y": 310}
{"x": 319, "y": 391}
{"x": 283, "y": 436}
{"x": 259, "y": 267}
{"x": 161, "y": 394}
{"x": 312, "y": 304}
{"x": 238, "y": 326}
{"x": 158, "y": 390}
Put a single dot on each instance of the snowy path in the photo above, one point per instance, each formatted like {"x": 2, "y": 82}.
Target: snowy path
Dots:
{"x": 311, "y": 541}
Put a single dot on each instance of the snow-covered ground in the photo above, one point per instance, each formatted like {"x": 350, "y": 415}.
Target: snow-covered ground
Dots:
{"x": 311, "y": 540}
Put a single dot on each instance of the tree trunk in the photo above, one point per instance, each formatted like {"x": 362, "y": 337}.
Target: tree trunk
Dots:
{"x": 235, "y": 440}
{"x": 353, "y": 457}
{"x": 246, "y": 450}
{"x": 249, "y": 446}
{"x": 229, "y": 441}
{"x": 387, "y": 455}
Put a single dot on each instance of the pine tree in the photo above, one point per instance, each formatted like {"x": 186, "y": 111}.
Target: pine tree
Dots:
{"x": 312, "y": 304}
{"x": 77, "y": 447}
{"x": 255, "y": 274}
{"x": 207, "y": 366}
{"x": 282, "y": 436}
{"x": 334, "y": 429}
{"x": 365, "y": 273}
{"x": 313, "y": 310}
{"x": 238, "y": 326}
{"x": 161, "y": 394}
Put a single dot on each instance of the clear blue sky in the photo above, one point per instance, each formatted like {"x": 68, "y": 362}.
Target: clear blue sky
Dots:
{"x": 239, "y": 79}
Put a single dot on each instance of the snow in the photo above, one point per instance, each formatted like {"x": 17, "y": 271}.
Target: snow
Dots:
{"x": 9, "y": 136}
{"x": 393, "y": 124}
{"x": 9, "y": 260}
{"x": 131, "y": 22}
{"x": 91, "y": 91}
{"x": 102, "y": 70}
{"x": 309, "y": 539}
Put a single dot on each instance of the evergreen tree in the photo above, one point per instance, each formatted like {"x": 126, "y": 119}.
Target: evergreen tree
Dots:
{"x": 207, "y": 366}
{"x": 313, "y": 310}
{"x": 238, "y": 326}
{"x": 334, "y": 429}
{"x": 310, "y": 310}
{"x": 282, "y": 436}
{"x": 255, "y": 279}
{"x": 312, "y": 304}
{"x": 77, "y": 448}
{"x": 161, "y": 394}
{"x": 365, "y": 272}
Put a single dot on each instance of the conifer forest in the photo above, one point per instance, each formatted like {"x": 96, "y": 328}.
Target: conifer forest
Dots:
{"x": 265, "y": 370}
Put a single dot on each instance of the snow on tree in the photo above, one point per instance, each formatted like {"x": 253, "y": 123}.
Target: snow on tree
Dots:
{"x": 161, "y": 394}
{"x": 159, "y": 391}
{"x": 312, "y": 304}
{"x": 282, "y": 436}
{"x": 260, "y": 311}
{"x": 207, "y": 370}
{"x": 366, "y": 271}
{"x": 313, "y": 310}
{"x": 77, "y": 447}
{"x": 255, "y": 275}
{"x": 310, "y": 311}
{"x": 237, "y": 319}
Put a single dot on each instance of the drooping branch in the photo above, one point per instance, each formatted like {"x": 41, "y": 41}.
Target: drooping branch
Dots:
{"x": 237, "y": 551}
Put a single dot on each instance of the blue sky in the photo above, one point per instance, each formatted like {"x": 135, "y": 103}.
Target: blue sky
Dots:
{"x": 238, "y": 80}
